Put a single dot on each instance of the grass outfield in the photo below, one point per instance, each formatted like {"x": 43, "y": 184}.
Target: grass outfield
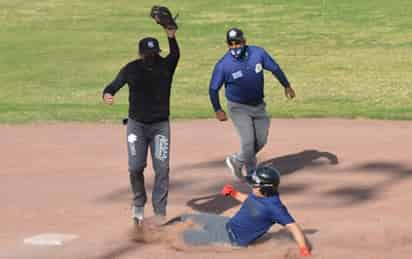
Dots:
{"x": 347, "y": 58}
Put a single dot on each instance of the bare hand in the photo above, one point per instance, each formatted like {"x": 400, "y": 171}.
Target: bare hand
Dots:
{"x": 171, "y": 33}
{"x": 289, "y": 92}
{"x": 221, "y": 115}
{"x": 108, "y": 98}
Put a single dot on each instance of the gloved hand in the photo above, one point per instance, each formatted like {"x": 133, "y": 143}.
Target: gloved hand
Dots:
{"x": 229, "y": 190}
{"x": 163, "y": 16}
{"x": 304, "y": 251}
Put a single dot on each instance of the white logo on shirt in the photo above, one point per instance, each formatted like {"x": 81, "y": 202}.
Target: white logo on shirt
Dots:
{"x": 258, "y": 68}
{"x": 237, "y": 74}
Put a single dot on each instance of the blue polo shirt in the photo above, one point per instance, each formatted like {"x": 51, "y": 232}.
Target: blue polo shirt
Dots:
{"x": 255, "y": 218}
{"x": 243, "y": 78}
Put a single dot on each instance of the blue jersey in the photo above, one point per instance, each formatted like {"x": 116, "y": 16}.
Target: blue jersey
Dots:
{"x": 256, "y": 216}
{"x": 243, "y": 78}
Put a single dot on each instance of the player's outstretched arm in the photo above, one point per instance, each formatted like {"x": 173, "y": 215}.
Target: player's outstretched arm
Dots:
{"x": 299, "y": 237}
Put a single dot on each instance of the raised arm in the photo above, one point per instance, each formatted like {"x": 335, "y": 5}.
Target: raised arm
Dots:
{"x": 174, "y": 51}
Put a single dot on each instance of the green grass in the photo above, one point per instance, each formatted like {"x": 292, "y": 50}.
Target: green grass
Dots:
{"x": 344, "y": 58}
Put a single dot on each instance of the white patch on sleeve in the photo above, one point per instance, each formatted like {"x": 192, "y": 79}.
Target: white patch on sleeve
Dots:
{"x": 132, "y": 138}
{"x": 237, "y": 74}
{"x": 161, "y": 147}
{"x": 258, "y": 68}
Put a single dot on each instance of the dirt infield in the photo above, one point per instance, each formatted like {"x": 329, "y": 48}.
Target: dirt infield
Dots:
{"x": 347, "y": 182}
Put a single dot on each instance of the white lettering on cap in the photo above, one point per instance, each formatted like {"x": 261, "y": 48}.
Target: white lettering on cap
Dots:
{"x": 150, "y": 44}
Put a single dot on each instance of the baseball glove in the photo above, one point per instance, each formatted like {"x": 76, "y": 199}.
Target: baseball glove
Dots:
{"x": 163, "y": 16}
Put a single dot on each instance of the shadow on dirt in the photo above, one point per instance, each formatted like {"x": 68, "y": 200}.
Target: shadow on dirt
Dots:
{"x": 351, "y": 194}
{"x": 285, "y": 164}
{"x": 347, "y": 193}
{"x": 216, "y": 204}
{"x": 294, "y": 162}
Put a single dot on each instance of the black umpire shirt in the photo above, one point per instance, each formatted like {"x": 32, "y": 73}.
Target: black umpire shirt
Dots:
{"x": 149, "y": 86}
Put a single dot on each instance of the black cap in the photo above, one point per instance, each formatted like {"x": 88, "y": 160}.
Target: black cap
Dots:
{"x": 234, "y": 35}
{"x": 264, "y": 176}
{"x": 148, "y": 45}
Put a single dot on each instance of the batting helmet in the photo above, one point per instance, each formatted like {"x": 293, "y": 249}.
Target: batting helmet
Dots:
{"x": 234, "y": 35}
{"x": 264, "y": 176}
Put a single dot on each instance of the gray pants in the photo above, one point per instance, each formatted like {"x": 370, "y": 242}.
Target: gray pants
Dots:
{"x": 140, "y": 137}
{"x": 252, "y": 124}
{"x": 211, "y": 229}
